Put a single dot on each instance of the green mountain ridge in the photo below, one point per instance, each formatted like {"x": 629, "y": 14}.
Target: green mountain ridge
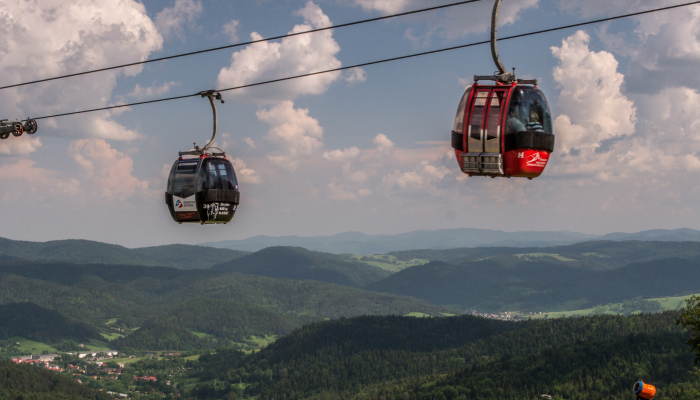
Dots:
{"x": 136, "y": 294}
{"x": 537, "y": 285}
{"x": 593, "y": 255}
{"x": 42, "y": 325}
{"x": 91, "y": 252}
{"x": 345, "y": 358}
{"x": 299, "y": 263}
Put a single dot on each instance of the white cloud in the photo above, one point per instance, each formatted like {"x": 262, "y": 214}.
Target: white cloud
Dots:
{"x": 170, "y": 21}
{"x": 598, "y": 132}
{"x": 592, "y": 107}
{"x": 22, "y": 179}
{"x": 60, "y": 37}
{"x": 454, "y": 22}
{"x": 243, "y": 173}
{"x": 343, "y": 193}
{"x": 19, "y": 146}
{"x": 355, "y": 75}
{"x": 342, "y": 155}
{"x": 425, "y": 176}
{"x": 231, "y": 30}
{"x": 107, "y": 172}
{"x": 592, "y": 8}
{"x": 250, "y": 142}
{"x": 670, "y": 53}
{"x": 384, "y": 144}
{"x": 384, "y": 6}
{"x": 141, "y": 93}
{"x": 419, "y": 41}
{"x": 297, "y": 134}
{"x": 292, "y": 56}
{"x": 664, "y": 47}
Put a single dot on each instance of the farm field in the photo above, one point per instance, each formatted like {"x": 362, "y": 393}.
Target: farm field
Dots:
{"x": 666, "y": 303}
{"x": 32, "y": 347}
{"x": 389, "y": 262}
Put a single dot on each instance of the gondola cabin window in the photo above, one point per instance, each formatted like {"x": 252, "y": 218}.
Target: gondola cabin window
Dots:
{"x": 528, "y": 111}
{"x": 182, "y": 183}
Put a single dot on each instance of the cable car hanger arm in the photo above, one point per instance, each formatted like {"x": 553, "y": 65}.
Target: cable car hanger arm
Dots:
{"x": 212, "y": 95}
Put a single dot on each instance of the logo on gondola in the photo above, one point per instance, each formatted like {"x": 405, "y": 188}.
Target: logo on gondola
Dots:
{"x": 536, "y": 160}
{"x": 178, "y": 204}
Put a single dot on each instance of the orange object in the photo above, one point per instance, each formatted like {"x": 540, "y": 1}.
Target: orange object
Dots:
{"x": 644, "y": 390}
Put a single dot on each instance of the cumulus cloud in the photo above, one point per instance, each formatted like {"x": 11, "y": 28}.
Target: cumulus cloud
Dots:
{"x": 669, "y": 55}
{"x": 170, "y": 21}
{"x": 243, "y": 173}
{"x": 384, "y": 144}
{"x": 355, "y": 75}
{"x": 25, "y": 179}
{"x": 590, "y": 95}
{"x": 452, "y": 23}
{"x": 342, "y": 155}
{"x": 384, "y": 6}
{"x": 292, "y": 56}
{"x": 58, "y": 37}
{"x": 337, "y": 191}
{"x": 141, "y": 93}
{"x": 107, "y": 171}
{"x": 298, "y": 134}
{"x": 20, "y": 146}
{"x": 250, "y": 142}
{"x": 664, "y": 47}
{"x": 592, "y": 8}
{"x": 425, "y": 176}
{"x": 598, "y": 131}
{"x": 231, "y": 30}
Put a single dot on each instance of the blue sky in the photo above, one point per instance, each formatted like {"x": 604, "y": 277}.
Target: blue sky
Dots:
{"x": 363, "y": 150}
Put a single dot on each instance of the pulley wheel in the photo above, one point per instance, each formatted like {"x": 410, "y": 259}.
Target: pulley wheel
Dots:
{"x": 19, "y": 130}
{"x": 30, "y": 126}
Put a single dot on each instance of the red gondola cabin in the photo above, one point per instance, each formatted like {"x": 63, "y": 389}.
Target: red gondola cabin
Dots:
{"x": 503, "y": 130}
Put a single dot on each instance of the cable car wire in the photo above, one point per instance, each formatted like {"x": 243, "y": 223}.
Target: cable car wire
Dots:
{"x": 364, "y": 21}
{"x": 381, "y": 61}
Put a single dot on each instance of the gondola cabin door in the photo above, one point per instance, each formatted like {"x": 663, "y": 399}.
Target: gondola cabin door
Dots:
{"x": 483, "y": 136}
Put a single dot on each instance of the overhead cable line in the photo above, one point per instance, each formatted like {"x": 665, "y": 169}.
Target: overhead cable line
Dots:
{"x": 381, "y": 61}
{"x": 364, "y": 21}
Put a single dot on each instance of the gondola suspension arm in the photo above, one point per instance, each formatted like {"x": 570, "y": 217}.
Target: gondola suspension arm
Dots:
{"x": 212, "y": 95}
{"x": 494, "y": 42}
{"x": 502, "y": 76}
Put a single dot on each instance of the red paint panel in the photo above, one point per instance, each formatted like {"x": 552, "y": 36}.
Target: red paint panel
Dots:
{"x": 523, "y": 163}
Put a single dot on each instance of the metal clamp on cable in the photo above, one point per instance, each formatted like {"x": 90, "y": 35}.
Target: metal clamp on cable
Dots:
{"x": 17, "y": 128}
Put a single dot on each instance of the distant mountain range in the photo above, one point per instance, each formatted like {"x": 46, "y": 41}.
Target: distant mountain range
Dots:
{"x": 360, "y": 243}
{"x": 86, "y": 251}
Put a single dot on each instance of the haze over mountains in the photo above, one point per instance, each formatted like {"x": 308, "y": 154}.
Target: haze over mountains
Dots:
{"x": 360, "y": 243}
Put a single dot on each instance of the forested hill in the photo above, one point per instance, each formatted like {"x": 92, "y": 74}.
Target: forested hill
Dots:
{"x": 579, "y": 371}
{"x": 299, "y": 263}
{"x": 344, "y": 358}
{"x": 31, "y": 321}
{"x": 86, "y": 251}
{"x": 595, "y": 255}
{"x": 28, "y": 382}
{"x": 135, "y": 294}
{"x": 540, "y": 283}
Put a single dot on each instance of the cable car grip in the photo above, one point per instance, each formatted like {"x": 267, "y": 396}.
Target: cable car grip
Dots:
{"x": 17, "y": 128}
